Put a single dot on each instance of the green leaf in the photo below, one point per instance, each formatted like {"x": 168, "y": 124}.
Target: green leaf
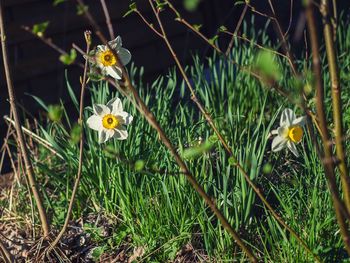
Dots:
{"x": 55, "y": 112}
{"x": 222, "y": 29}
{"x": 213, "y": 39}
{"x": 57, "y": 2}
{"x": 39, "y": 29}
{"x": 213, "y": 138}
{"x": 240, "y": 2}
{"x": 81, "y": 9}
{"x": 94, "y": 76}
{"x": 39, "y": 101}
{"x": 97, "y": 252}
{"x": 232, "y": 161}
{"x": 139, "y": 165}
{"x": 160, "y": 5}
{"x": 132, "y": 8}
{"x": 267, "y": 168}
{"x": 68, "y": 59}
{"x": 75, "y": 133}
{"x": 197, "y": 151}
{"x": 197, "y": 26}
{"x": 267, "y": 64}
{"x": 191, "y": 5}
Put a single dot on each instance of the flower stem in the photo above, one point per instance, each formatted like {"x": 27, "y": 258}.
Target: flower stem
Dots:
{"x": 81, "y": 147}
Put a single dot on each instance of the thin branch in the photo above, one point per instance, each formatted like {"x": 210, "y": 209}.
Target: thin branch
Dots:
{"x": 336, "y": 101}
{"x": 108, "y": 19}
{"x": 283, "y": 39}
{"x": 81, "y": 148}
{"x": 148, "y": 23}
{"x": 28, "y": 166}
{"x": 327, "y": 148}
{"x": 244, "y": 38}
{"x": 230, "y": 45}
{"x": 48, "y": 41}
{"x": 194, "y": 97}
{"x": 37, "y": 138}
{"x": 247, "y": 69}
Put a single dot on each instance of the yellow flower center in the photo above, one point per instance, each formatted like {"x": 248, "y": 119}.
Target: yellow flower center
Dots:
{"x": 107, "y": 58}
{"x": 110, "y": 121}
{"x": 295, "y": 133}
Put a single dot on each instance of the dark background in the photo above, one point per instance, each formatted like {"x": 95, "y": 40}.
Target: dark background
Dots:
{"x": 37, "y": 70}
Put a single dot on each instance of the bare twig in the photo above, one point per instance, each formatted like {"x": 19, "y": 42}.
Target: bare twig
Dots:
{"x": 48, "y": 41}
{"x": 37, "y": 138}
{"x": 108, "y": 19}
{"x": 194, "y": 97}
{"x": 340, "y": 210}
{"x": 283, "y": 39}
{"x": 336, "y": 101}
{"x": 81, "y": 147}
{"x": 28, "y": 166}
{"x": 230, "y": 45}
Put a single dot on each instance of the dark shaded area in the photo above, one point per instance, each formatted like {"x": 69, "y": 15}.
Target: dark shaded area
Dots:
{"x": 37, "y": 70}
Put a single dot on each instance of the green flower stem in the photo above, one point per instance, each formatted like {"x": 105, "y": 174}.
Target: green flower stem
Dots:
{"x": 81, "y": 146}
{"x": 126, "y": 82}
{"x": 327, "y": 160}
{"x": 22, "y": 144}
{"x": 336, "y": 102}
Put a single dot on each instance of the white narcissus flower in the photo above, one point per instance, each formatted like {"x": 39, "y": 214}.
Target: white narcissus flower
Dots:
{"x": 109, "y": 120}
{"x": 107, "y": 62}
{"x": 289, "y": 133}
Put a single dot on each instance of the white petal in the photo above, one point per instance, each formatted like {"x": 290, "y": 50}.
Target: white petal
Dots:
{"x": 94, "y": 122}
{"x": 109, "y": 134}
{"x": 116, "y": 43}
{"x": 123, "y": 133}
{"x": 115, "y": 105}
{"x": 274, "y": 132}
{"x": 283, "y": 131}
{"x": 299, "y": 121}
{"x": 278, "y": 143}
{"x": 114, "y": 72}
{"x": 102, "y": 136}
{"x": 287, "y": 117}
{"x": 291, "y": 146}
{"x": 127, "y": 118}
{"x": 101, "y": 47}
{"x": 100, "y": 65}
{"x": 124, "y": 55}
{"x": 100, "y": 109}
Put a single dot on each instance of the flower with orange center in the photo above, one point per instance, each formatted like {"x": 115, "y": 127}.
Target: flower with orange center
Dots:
{"x": 107, "y": 61}
{"x": 289, "y": 133}
{"x": 110, "y": 120}
{"x": 107, "y": 58}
